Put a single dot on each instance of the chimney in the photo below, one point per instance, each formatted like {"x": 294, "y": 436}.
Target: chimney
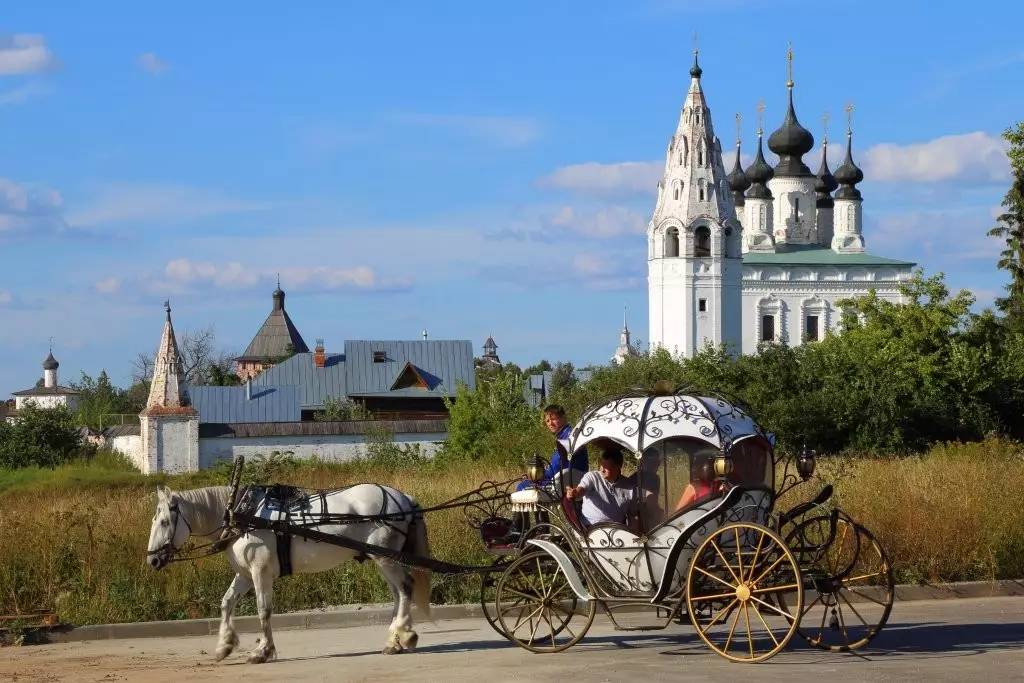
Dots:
{"x": 248, "y": 389}
{"x": 319, "y": 357}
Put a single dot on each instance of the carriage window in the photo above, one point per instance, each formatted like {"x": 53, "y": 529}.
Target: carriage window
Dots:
{"x": 767, "y": 328}
{"x": 702, "y": 242}
{"x": 812, "y": 328}
{"x": 673, "y": 473}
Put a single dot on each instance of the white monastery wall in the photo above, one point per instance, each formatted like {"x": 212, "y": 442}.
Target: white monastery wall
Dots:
{"x": 52, "y": 401}
{"x": 130, "y": 446}
{"x": 333, "y": 447}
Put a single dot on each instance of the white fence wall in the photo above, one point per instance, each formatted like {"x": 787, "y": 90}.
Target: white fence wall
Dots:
{"x": 338, "y": 447}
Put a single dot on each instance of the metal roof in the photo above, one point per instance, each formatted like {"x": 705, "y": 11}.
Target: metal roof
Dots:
{"x": 448, "y": 361}
{"x": 230, "y": 404}
{"x": 813, "y": 254}
{"x": 314, "y": 385}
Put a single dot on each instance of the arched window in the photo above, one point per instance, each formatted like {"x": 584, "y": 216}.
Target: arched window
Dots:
{"x": 796, "y": 208}
{"x": 700, "y": 189}
{"x": 676, "y": 190}
{"x": 700, "y": 155}
{"x": 686, "y": 151}
{"x": 672, "y": 242}
{"x": 702, "y": 242}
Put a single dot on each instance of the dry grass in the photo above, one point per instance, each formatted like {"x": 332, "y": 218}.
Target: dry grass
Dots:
{"x": 76, "y": 544}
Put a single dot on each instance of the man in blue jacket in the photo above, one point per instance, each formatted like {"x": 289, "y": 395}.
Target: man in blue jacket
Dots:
{"x": 554, "y": 420}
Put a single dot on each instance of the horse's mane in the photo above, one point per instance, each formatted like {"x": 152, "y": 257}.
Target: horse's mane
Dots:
{"x": 208, "y": 505}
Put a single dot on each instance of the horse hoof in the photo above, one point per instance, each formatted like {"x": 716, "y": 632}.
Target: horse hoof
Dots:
{"x": 257, "y": 658}
{"x": 391, "y": 650}
{"x": 408, "y": 640}
{"x": 221, "y": 653}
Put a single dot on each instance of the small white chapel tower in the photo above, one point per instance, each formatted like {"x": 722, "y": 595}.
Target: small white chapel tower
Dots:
{"x": 694, "y": 261}
{"x": 169, "y": 424}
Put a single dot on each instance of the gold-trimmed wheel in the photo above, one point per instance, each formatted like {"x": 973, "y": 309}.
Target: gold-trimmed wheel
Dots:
{"x": 732, "y": 590}
{"x": 536, "y": 607}
{"x": 849, "y": 582}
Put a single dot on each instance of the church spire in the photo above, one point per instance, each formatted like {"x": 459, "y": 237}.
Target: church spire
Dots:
{"x": 791, "y": 141}
{"x": 168, "y": 392}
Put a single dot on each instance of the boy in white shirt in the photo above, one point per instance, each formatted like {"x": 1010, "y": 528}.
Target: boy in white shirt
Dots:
{"x": 607, "y": 495}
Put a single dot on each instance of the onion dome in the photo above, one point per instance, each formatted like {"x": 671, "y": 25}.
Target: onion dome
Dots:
{"x": 50, "y": 363}
{"x": 695, "y": 70}
{"x": 791, "y": 141}
{"x": 759, "y": 173}
{"x": 848, "y": 175}
{"x": 738, "y": 181}
{"x": 278, "y": 297}
{"x": 825, "y": 182}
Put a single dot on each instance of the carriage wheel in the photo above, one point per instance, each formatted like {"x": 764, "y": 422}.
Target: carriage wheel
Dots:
{"x": 850, "y": 582}
{"x": 488, "y": 593}
{"x": 732, "y": 587}
{"x": 537, "y": 608}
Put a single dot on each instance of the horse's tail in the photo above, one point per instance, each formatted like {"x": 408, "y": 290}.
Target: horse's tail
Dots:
{"x": 416, "y": 543}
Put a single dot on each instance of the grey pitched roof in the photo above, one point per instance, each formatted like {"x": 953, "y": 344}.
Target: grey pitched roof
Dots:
{"x": 314, "y": 384}
{"x": 47, "y": 391}
{"x": 276, "y": 335}
{"x": 449, "y": 362}
{"x": 229, "y": 404}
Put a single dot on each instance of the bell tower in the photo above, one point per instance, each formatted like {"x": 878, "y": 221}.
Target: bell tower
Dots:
{"x": 694, "y": 260}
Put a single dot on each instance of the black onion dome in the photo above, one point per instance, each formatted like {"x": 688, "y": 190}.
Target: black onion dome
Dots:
{"x": 759, "y": 173}
{"x": 791, "y": 141}
{"x": 50, "y": 363}
{"x": 695, "y": 70}
{"x": 738, "y": 180}
{"x": 825, "y": 183}
{"x": 849, "y": 174}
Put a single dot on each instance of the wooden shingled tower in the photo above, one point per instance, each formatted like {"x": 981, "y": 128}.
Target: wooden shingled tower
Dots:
{"x": 168, "y": 392}
{"x": 277, "y": 339}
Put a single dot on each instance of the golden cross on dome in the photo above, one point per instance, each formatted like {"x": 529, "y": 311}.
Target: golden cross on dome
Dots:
{"x": 696, "y": 44}
{"x": 739, "y": 121}
{"x": 789, "y": 65}
{"x": 849, "y": 118}
{"x": 760, "y": 117}
{"x": 824, "y": 120}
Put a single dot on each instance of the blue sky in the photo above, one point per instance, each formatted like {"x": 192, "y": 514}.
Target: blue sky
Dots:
{"x": 468, "y": 168}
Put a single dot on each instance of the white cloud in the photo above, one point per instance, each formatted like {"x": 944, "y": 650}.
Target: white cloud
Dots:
{"x": 123, "y": 202}
{"x": 109, "y": 285}
{"x": 27, "y": 209}
{"x": 601, "y": 222}
{"x": 970, "y": 157}
{"x": 150, "y": 63}
{"x": 24, "y": 93}
{"x": 505, "y": 131}
{"x": 627, "y": 177}
{"x": 24, "y": 53}
{"x": 941, "y": 237}
{"x": 183, "y": 274}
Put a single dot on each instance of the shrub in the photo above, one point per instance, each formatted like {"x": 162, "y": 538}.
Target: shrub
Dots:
{"x": 44, "y": 437}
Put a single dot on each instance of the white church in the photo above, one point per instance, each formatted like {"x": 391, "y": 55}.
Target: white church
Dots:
{"x": 758, "y": 255}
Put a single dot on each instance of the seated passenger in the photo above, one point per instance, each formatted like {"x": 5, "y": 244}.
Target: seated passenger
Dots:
{"x": 702, "y": 482}
{"x": 608, "y": 495}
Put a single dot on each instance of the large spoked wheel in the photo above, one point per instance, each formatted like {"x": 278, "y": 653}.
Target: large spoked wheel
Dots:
{"x": 849, "y": 580}
{"x": 732, "y": 587}
{"x": 537, "y": 608}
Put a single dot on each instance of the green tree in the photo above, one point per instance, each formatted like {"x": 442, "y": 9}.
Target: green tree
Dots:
{"x": 45, "y": 437}
{"x": 1011, "y": 230}
{"x": 97, "y": 398}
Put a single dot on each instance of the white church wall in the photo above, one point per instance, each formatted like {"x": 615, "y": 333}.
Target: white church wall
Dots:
{"x": 340, "y": 447}
{"x": 794, "y": 209}
{"x": 47, "y": 401}
{"x": 791, "y": 293}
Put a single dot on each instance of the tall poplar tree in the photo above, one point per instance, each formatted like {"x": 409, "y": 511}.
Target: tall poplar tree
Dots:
{"x": 1011, "y": 230}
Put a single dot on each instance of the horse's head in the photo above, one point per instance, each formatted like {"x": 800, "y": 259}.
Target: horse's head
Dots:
{"x": 170, "y": 529}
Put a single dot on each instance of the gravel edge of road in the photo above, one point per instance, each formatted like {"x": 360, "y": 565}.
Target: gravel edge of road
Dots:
{"x": 352, "y": 616}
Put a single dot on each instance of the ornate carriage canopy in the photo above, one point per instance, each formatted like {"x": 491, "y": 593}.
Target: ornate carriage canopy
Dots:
{"x": 638, "y": 422}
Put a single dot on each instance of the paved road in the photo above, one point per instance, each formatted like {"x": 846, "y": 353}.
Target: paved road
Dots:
{"x": 957, "y": 640}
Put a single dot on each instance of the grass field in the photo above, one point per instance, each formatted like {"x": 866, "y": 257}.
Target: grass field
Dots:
{"x": 73, "y": 539}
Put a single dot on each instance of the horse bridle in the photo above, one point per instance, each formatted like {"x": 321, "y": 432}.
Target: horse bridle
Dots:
{"x": 169, "y": 547}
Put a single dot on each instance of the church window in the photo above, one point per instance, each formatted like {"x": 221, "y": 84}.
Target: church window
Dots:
{"x": 812, "y": 328}
{"x": 767, "y": 328}
{"x": 686, "y": 150}
{"x": 676, "y": 190}
{"x": 796, "y": 208}
{"x": 702, "y": 305}
{"x": 672, "y": 242}
{"x": 700, "y": 156}
{"x": 680, "y": 158}
{"x": 702, "y": 242}
{"x": 700, "y": 188}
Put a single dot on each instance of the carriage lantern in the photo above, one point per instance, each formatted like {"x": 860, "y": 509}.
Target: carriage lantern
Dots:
{"x": 535, "y": 470}
{"x": 805, "y": 463}
{"x": 723, "y": 465}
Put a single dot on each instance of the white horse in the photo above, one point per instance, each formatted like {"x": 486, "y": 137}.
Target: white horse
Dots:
{"x": 254, "y": 556}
